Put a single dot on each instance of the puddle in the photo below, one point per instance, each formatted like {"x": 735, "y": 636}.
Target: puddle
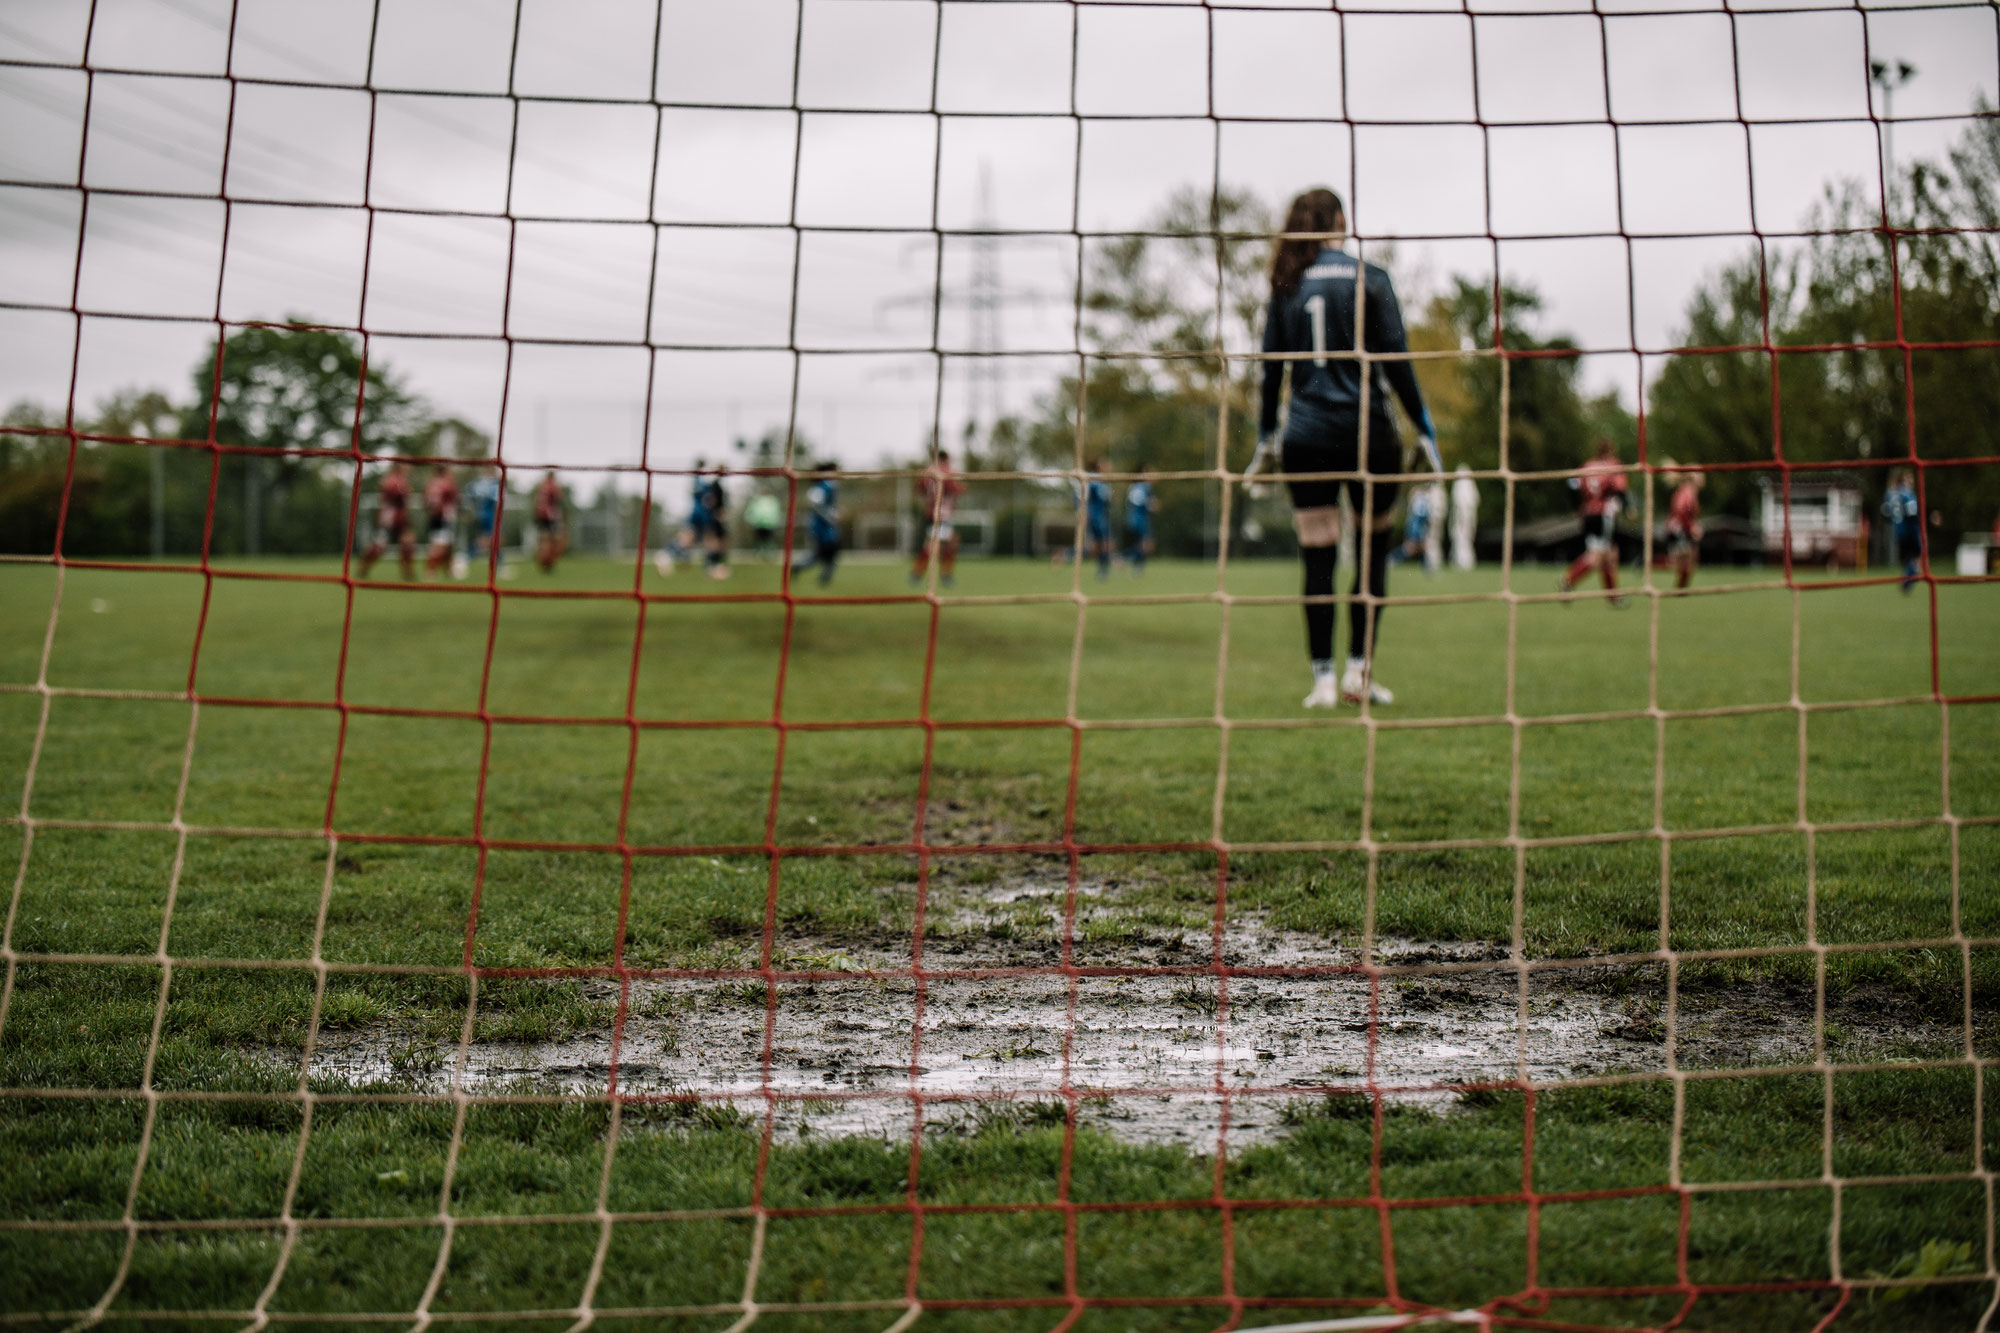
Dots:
{"x": 1147, "y": 1055}
{"x": 1152, "y": 1059}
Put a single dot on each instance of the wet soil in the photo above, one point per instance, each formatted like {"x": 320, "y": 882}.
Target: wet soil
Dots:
{"x": 1153, "y": 1058}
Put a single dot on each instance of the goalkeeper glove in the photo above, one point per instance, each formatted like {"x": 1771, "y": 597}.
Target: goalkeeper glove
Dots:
{"x": 1264, "y": 460}
{"x": 1427, "y": 441}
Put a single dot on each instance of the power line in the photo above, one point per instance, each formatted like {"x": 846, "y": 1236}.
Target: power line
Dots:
{"x": 986, "y": 298}
{"x": 583, "y": 279}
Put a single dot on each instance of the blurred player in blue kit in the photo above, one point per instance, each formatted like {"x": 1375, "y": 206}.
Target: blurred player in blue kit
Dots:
{"x": 712, "y": 504}
{"x": 484, "y": 493}
{"x": 823, "y": 517}
{"x": 1315, "y": 289}
{"x": 1140, "y": 502}
{"x": 1906, "y": 520}
{"x": 1417, "y": 531}
{"x": 1097, "y": 518}
{"x": 693, "y": 535}
{"x": 697, "y": 520}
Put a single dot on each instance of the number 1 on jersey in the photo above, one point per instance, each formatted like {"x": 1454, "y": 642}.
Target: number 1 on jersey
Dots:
{"x": 1316, "y": 310}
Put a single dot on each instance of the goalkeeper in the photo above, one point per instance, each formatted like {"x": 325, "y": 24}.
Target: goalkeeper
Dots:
{"x": 1314, "y": 289}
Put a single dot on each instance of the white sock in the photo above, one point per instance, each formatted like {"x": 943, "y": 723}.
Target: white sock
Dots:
{"x": 1357, "y": 664}
{"x": 1322, "y": 669}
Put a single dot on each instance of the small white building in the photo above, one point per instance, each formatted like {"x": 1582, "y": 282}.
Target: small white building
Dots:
{"x": 1822, "y": 517}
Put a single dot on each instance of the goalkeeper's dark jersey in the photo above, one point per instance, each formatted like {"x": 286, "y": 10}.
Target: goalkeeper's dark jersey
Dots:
{"x": 1319, "y": 317}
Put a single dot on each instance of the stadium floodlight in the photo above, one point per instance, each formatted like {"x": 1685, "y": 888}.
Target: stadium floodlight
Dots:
{"x": 1889, "y": 77}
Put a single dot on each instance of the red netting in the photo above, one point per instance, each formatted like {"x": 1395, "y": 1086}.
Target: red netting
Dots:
{"x": 1515, "y": 1307}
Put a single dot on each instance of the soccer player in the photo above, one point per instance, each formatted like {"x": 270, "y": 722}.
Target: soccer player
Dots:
{"x": 712, "y": 499}
{"x": 697, "y": 525}
{"x": 764, "y": 514}
{"x": 1140, "y": 503}
{"x": 550, "y": 538}
{"x": 1600, "y": 493}
{"x": 1417, "y": 531}
{"x": 1097, "y": 517}
{"x": 392, "y": 523}
{"x": 441, "y": 508}
{"x": 1684, "y": 528}
{"x": 939, "y": 487}
{"x": 824, "y": 499}
{"x": 682, "y": 545}
{"x": 484, "y": 493}
{"x": 1906, "y": 517}
{"x": 1315, "y": 286}
{"x": 1464, "y": 516}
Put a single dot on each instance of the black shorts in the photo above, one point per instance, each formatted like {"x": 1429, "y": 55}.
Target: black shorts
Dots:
{"x": 1341, "y": 453}
{"x": 1910, "y": 547}
{"x": 1598, "y": 526}
{"x": 1679, "y": 541}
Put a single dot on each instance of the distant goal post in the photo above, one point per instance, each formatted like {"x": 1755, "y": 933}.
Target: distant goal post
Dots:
{"x": 898, "y": 534}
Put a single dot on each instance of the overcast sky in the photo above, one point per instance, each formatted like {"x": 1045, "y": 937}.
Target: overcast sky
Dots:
{"x": 1036, "y": 99}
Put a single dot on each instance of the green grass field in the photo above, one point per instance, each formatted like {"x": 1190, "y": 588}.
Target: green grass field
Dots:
{"x": 1884, "y": 1136}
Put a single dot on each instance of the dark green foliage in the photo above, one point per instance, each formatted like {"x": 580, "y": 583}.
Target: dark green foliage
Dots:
{"x": 278, "y": 388}
{"x": 1841, "y": 291}
{"x": 1550, "y": 423}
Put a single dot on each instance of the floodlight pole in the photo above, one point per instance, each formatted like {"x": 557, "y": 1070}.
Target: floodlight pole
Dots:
{"x": 1889, "y": 77}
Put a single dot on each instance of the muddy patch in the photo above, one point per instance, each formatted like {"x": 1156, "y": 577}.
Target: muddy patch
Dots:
{"x": 1149, "y": 1058}
{"x": 1147, "y": 1055}
{"x": 1185, "y": 1057}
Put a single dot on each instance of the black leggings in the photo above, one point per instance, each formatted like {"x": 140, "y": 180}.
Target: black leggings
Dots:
{"x": 1362, "y": 617}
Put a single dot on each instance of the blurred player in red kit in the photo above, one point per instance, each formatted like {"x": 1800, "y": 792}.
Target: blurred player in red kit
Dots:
{"x": 392, "y": 522}
{"x": 1600, "y": 489}
{"x": 550, "y": 541}
{"x": 1684, "y": 528}
{"x": 441, "y": 508}
{"x": 940, "y": 489}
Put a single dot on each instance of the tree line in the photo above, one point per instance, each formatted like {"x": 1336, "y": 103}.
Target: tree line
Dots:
{"x": 1841, "y": 291}
{"x": 277, "y": 389}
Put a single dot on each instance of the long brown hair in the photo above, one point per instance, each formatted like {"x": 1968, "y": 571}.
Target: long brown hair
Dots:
{"x": 1316, "y": 211}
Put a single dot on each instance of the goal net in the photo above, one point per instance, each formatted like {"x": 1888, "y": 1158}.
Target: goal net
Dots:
{"x": 479, "y": 854}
